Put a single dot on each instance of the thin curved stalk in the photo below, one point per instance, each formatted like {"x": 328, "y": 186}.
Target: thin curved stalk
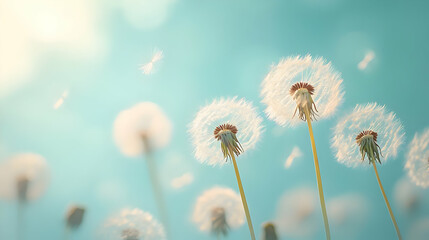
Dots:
{"x": 318, "y": 177}
{"x": 387, "y": 202}
{"x": 243, "y": 198}
{"x": 157, "y": 191}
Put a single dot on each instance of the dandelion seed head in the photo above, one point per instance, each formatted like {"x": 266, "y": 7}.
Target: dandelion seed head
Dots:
{"x": 235, "y": 112}
{"x": 417, "y": 164}
{"x": 132, "y": 224}
{"x": 24, "y": 177}
{"x": 296, "y": 215}
{"x": 389, "y": 134}
{"x": 141, "y": 128}
{"x": 215, "y": 199}
{"x": 322, "y": 82}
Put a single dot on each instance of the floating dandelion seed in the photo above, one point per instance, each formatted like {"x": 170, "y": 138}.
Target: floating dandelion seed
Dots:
{"x": 269, "y": 232}
{"x": 417, "y": 163}
{"x": 369, "y": 56}
{"x": 348, "y": 214}
{"x": 368, "y": 131}
{"x": 239, "y": 115}
{"x": 296, "y": 153}
{"x": 217, "y": 210}
{"x": 296, "y": 213}
{"x": 182, "y": 181}
{"x": 407, "y": 196}
{"x": 236, "y": 125}
{"x": 140, "y": 130}
{"x": 132, "y": 224}
{"x": 148, "y": 67}
{"x": 299, "y": 83}
{"x": 60, "y": 101}
{"x": 303, "y": 89}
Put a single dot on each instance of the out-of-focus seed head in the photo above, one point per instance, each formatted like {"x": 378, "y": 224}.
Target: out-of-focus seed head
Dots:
{"x": 220, "y": 226}
{"x": 270, "y": 232}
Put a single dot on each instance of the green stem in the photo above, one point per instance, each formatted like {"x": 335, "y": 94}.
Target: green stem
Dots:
{"x": 318, "y": 177}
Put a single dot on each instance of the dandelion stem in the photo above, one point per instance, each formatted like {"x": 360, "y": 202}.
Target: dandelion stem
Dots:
{"x": 387, "y": 202}
{"x": 319, "y": 179}
{"x": 156, "y": 187}
{"x": 20, "y": 220}
{"x": 243, "y": 198}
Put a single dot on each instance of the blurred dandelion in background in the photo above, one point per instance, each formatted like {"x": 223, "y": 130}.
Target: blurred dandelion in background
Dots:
{"x": 182, "y": 180}
{"x": 132, "y": 224}
{"x": 269, "y": 231}
{"x": 303, "y": 89}
{"x": 218, "y": 210}
{"x": 74, "y": 218}
{"x": 417, "y": 163}
{"x": 148, "y": 67}
{"x": 296, "y": 214}
{"x": 419, "y": 230}
{"x": 407, "y": 196}
{"x": 236, "y": 125}
{"x": 371, "y": 131}
{"x": 348, "y": 214}
{"x": 140, "y": 130}
{"x": 24, "y": 177}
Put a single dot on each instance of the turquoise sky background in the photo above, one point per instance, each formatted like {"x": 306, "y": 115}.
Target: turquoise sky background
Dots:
{"x": 211, "y": 49}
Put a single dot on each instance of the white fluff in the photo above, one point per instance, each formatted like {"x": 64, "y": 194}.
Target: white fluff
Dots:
{"x": 366, "y": 117}
{"x": 215, "y": 197}
{"x": 145, "y": 117}
{"x": 31, "y": 165}
{"x": 417, "y": 163}
{"x": 235, "y": 111}
{"x": 147, "y": 227}
{"x": 148, "y": 67}
{"x": 328, "y": 93}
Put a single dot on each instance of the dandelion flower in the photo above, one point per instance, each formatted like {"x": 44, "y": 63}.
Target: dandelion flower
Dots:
{"x": 417, "y": 163}
{"x": 372, "y": 126}
{"x": 269, "y": 232}
{"x": 236, "y": 127}
{"x": 148, "y": 67}
{"x": 233, "y": 113}
{"x": 348, "y": 214}
{"x": 299, "y": 83}
{"x": 296, "y": 213}
{"x": 132, "y": 224}
{"x": 407, "y": 196}
{"x": 368, "y": 132}
{"x": 303, "y": 89}
{"x": 141, "y": 128}
{"x": 24, "y": 177}
{"x": 218, "y": 210}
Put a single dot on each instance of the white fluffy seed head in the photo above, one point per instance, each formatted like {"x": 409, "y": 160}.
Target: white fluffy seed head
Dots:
{"x": 328, "y": 93}
{"x": 234, "y": 111}
{"x": 218, "y": 197}
{"x": 417, "y": 156}
{"x": 366, "y": 117}
{"x": 144, "y": 119}
{"x": 297, "y": 214}
{"x": 30, "y": 166}
{"x": 129, "y": 223}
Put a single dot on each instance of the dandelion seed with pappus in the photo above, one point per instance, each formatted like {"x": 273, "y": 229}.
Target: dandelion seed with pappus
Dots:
{"x": 236, "y": 125}
{"x": 303, "y": 89}
{"x": 370, "y": 133}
